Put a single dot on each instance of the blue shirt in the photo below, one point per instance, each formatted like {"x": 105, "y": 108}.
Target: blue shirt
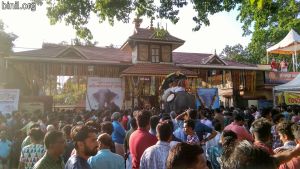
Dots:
{"x": 119, "y": 133}
{"x": 5, "y": 148}
{"x": 201, "y": 129}
{"x": 76, "y": 162}
{"x": 106, "y": 159}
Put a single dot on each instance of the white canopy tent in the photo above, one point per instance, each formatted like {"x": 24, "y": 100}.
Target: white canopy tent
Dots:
{"x": 293, "y": 85}
{"x": 290, "y": 45}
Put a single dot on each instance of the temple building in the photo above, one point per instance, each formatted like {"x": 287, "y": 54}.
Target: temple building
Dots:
{"x": 142, "y": 62}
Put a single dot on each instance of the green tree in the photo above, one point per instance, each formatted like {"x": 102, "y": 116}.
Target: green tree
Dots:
{"x": 6, "y": 40}
{"x": 236, "y": 53}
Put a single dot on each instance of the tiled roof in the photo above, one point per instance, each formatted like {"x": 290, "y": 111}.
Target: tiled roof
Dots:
{"x": 88, "y": 53}
{"x": 201, "y": 59}
{"x": 149, "y": 34}
{"x": 155, "y": 69}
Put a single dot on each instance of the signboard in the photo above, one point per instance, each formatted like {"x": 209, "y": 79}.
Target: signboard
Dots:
{"x": 32, "y": 107}
{"x": 104, "y": 93}
{"x": 292, "y": 98}
{"x": 208, "y": 97}
{"x": 279, "y": 77}
{"x": 9, "y": 100}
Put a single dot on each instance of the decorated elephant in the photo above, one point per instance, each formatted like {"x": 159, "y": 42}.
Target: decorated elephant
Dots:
{"x": 175, "y": 97}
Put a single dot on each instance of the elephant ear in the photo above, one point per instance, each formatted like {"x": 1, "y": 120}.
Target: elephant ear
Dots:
{"x": 96, "y": 96}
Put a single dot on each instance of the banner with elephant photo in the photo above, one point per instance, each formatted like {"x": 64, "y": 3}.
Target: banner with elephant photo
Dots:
{"x": 104, "y": 93}
{"x": 208, "y": 97}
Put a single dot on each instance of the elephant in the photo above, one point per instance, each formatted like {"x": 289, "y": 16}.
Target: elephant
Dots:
{"x": 182, "y": 101}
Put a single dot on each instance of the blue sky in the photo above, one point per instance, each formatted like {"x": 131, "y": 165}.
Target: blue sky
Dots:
{"x": 33, "y": 28}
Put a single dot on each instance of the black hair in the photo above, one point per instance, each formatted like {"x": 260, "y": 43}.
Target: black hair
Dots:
{"x": 193, "y": 114}
{"x": 262, "y": 129}
{"x": 36, "y": 134}
{"x": 133, "y": 123}
{"x": 239, "y": 117}
{"x": 286, "y": 129}
{"x": 164, "y": 131}
{"x": 80, "y": 133}
{"x": 52, "y": 137}
{"x": 190, "y": 123}
{"x": 154, "y": 120}
{"x": 143, "y": 118}
{"x": 183, "y": 155}
{"x": 247, "y": 156}
{"x": 107, "y": 127}
{"x": 276, "y": 118}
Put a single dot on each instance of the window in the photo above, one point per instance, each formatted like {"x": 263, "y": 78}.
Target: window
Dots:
{"x": 155, "y": 54}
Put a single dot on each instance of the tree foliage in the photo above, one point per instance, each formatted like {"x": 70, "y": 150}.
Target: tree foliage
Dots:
{"x": 236, "y": 53}
{"x": 6, "y": 41}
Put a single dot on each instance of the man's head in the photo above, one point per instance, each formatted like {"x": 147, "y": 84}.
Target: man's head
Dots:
{"x": 189, "y": 126}
{"x": 296, "y": 132}
{"x": 143, "y": 119}
{"x": 246, "y": 156}
{"x": 239, "y": 118}
{"x": 193, "y": 114}
{"x": 262, "y": 129}
{"x": 133, "y": 123}
{"x": 104, "y": 141}
{"x": 285, "y": 131}
{"x": 116, "y": 116}
{"x": 164, "y": 132}
{"x": 36, "y": 135}
{"x": 85, "y": 140}
{"x": 67, "y": 131}
{"x": 107, "y": 127}
{"x": 185, "y": 156}
{"x": 55, "y": 142}
{"x": 154, "y": 120}
{"x": 266, "y": 113}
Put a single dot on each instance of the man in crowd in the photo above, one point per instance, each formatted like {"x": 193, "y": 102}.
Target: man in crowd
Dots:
{"x": 261, "y": 129}
{"x": 69, "y": 143}
{"x": 286, "y": 136}
{"x": 189, "y": 127}
{"x": 86, "y": 145}
{"x": 32, "y": 153}
{"x": 185, "y": 156}
{"x": 141, "y": 139}
{"x": 133, "y": 127}
{"x": 105, "y": 158}
{"x": 237, "y": 126}
{"x": 55, "y": 145}
{"x": 5, "y": 149}
{"x": 295, "y": 162}
{"x": 154, "y": 120}
{"x": 155, "y": 157}
{"x": 118, "y": 134}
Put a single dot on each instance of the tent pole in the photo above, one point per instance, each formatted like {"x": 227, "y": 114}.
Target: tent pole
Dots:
{"x": 293, "y": 58}
{"x": 267, "y": 57}
{"x": 274, "y": 102}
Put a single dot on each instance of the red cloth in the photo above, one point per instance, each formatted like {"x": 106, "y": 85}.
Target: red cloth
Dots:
{"x": 292, "y": 164}
{"x": 240, "y": 131}
{"x": 139, "y": 141}
{"x": 263, "y": 146}
{"x": 124, "y": 122}
{"x": 274, "y": 65}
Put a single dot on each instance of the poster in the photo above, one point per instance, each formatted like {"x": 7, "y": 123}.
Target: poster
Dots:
{"x": 208, "y": 97}
{"x": 104, "y": 93}
{"x": 292, "y": 98}
{"x": 9, "y": 100}
{"x": 265, "y": 104}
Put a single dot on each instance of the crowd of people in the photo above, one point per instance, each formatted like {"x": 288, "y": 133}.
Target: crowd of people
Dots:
{"x": 224, "y": 138}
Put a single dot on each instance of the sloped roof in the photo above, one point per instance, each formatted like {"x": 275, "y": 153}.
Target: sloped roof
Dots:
{"x": 156, "y": 70}
{"x": 202, "y": 59}
{"x": 149, "y": 34}
{"x": 83, "y": 52}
